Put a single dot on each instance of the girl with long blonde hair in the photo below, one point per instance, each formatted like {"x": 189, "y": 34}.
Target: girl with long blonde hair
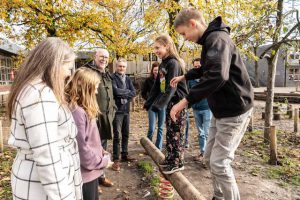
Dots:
{"x": 81, "y": 96}
{"x": 42, "y": 128}
{"x": 162, "y": 96}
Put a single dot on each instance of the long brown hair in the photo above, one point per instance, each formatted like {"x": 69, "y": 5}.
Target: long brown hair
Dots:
{"x": 155, "y": 64}
{"x": 43, "y": 62}
{"x": 167, "y": 41}
{"x": 81, "y": 91}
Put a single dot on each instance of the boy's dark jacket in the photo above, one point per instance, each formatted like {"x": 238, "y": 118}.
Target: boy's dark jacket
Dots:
{"x": 158, "y": 100}
{"x": 120, "y": 93}
{"x": 224, "y": 81}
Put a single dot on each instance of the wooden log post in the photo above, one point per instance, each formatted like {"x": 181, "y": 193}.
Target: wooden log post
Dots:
{"x": 250, "y": 126}
{"x": 273, "y": 146}
{"x": 290, "y": 111}
{"x": 133, "y": 104}
{"x": 1, "y": 137}
{"x": 296, "y": 120}
{"x": 181, "y": 184}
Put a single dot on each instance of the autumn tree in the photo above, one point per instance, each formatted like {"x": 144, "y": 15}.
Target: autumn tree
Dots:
{"x": 280, "y": 35}
{"x": 124, "y": 27}
{"x": 30, "y": 21}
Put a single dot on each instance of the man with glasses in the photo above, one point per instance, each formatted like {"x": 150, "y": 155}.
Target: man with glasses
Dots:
{"x": 106, "y": 104}
{"x": 123, "y": 93}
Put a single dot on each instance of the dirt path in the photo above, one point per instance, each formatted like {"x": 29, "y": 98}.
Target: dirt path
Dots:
{"x": 129, "y": 183}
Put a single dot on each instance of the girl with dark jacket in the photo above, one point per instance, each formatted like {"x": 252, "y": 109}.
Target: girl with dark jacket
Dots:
{"x": 163, "y": 95}
{"x": 152, "y": 116}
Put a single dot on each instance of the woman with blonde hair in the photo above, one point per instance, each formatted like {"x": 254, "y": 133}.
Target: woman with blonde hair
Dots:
{"x": 163, "y": 95}
{"x": 81, "y": 96}
{"x": 42, "y": 128}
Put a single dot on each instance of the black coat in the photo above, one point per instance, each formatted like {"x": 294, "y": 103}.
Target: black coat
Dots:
{"x": 119, "y": 93}
{"x": 158, "y": 99}
{"x": 224, "y": 81}
{"x": 148, "y": 84}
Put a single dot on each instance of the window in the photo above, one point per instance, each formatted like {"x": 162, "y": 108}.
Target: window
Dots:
{"x": 146, "y": 57}
{"x": 154, "y": 57}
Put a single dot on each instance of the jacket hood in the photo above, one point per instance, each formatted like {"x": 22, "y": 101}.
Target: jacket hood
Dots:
{"x": 216, "y": 25}
{"x": 169, "y": 58}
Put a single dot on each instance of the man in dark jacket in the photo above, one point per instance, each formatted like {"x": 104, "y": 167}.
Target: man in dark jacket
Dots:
{"x": 225, "y": 83}
{"x": 123, "y": 93}
{"x": 106, "y": 103}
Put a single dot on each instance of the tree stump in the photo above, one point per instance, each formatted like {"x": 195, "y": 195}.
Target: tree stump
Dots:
{"x": 276, "y": 116}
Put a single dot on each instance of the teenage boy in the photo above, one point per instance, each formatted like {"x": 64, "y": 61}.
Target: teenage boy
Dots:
{"x": 225, "y": 83}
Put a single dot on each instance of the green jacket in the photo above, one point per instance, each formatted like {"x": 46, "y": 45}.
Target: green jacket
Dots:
{"x": 106, "y": 105}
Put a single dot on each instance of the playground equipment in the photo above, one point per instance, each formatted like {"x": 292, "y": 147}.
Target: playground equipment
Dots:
{"x": 181, "y": 184}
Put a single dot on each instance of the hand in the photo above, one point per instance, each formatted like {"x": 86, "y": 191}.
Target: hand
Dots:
{"x": 109, "y": 162}
{"x": 105, "y": 152}
{"x": 177, "y": 108}
{"x": 176, "y": 80}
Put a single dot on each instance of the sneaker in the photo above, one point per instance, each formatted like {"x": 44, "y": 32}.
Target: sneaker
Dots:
{"x": 116, "y": 166}
{"x": 171, "y": 169}
{"x": 199, "y": 158}
{"x": 127, "y": 159}
{"x": 106, "y": 182}
{"x": 164, "y": 164}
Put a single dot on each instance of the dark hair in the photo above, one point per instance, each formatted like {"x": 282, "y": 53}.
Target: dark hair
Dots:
{"x": 155, "y": 64}
{"x": 196, "y": 59}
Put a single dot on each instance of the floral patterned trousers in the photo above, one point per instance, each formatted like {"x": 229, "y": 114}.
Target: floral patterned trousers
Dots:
{"x": 175, "y": 137}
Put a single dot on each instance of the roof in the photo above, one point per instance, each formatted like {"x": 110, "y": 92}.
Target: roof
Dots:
{"x": 9, "y": 47}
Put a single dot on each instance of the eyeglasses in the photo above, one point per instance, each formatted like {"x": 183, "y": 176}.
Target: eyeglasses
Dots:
{"x": 103, "y": 57}
{"x": 121, "y": 66}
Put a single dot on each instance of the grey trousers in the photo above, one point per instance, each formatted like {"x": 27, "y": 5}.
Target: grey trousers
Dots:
{"x": 224, "y": 137}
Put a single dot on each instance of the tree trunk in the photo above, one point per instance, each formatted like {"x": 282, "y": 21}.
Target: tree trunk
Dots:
{"x": 256, "y": 69}
{"x": 272, "y": 63}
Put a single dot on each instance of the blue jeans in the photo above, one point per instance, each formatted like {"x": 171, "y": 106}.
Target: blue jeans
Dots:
{"x": 161, "y": 116}
{"x": 202, "y": 120}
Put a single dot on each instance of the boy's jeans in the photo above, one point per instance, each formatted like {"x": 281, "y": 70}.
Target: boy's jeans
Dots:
{"x": 161, "y": 116}
{"x": 224, "y": 137}
{"x": 202, "y": 120}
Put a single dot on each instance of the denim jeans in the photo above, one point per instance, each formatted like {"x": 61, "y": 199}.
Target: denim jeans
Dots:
{"x": 161, "y": 118}
{"x": 224, "y": 137}
{"x": 121, "y": 128}
{"x": 202, "y": 121}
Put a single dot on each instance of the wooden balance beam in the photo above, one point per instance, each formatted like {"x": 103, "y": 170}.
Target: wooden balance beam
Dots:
{"x": 181, "y": 184}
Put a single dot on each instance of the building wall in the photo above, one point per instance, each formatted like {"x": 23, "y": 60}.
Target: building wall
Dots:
{"x": 281, "y": 73}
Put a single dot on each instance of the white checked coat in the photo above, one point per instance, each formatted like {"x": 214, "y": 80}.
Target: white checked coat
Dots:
{"x": 47, "y": 162}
